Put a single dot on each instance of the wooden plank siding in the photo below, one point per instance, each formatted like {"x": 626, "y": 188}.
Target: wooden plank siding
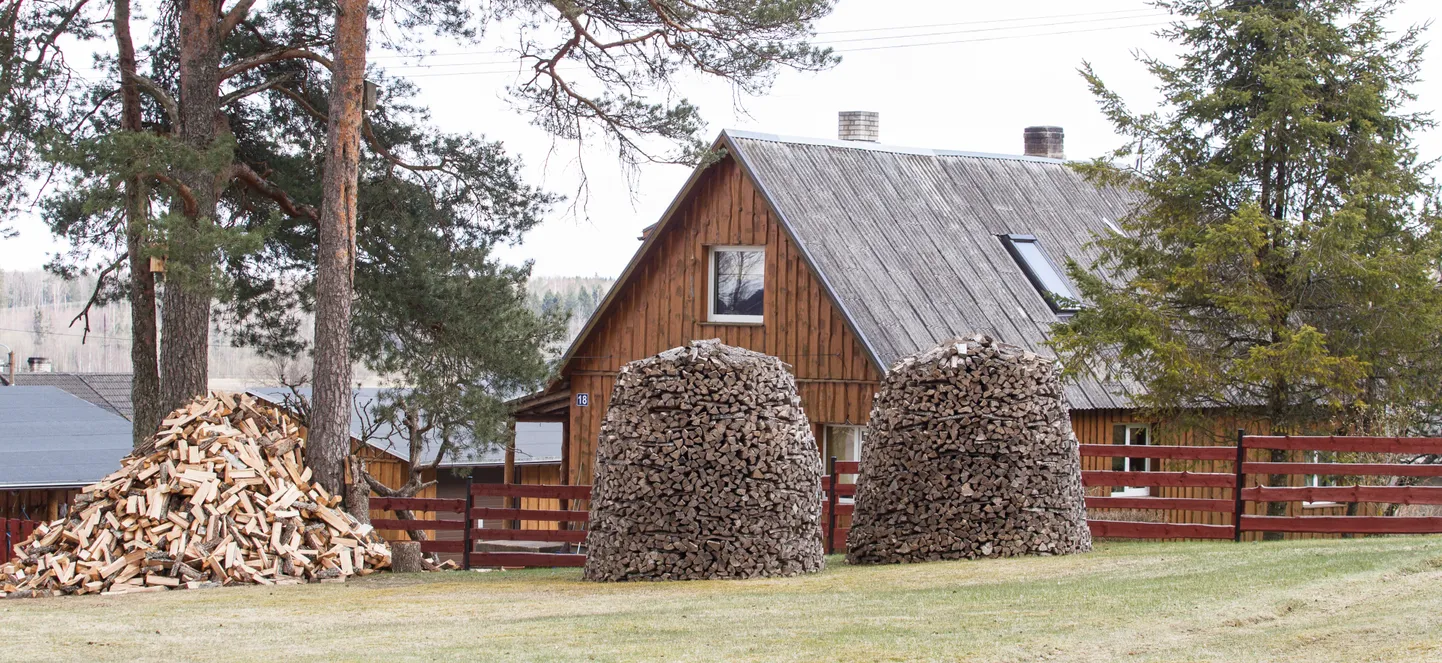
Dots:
{"x": 393, "y": 472}
{"x": 663, "y": 304}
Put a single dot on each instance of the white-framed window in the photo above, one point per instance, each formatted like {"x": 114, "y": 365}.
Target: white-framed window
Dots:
{"x": 738, "y": 284}
{"x": 843, "y": 442}
{"x": 1318, "y": 480}
{"x": 1133, "y": 435}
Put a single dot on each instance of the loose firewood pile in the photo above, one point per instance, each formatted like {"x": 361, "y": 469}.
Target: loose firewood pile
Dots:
{"x": 706, "y": 468}
{"x": 220, "y": 496}
{"x": 969, "y": 453}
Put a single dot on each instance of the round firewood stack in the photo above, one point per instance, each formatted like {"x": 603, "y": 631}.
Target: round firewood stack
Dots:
{"x": 969, "y": 453}
{"x": 706, "y": 468}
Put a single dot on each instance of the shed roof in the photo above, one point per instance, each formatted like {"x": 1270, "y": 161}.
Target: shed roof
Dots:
{"x": 52, "y": 439}
{"x": 110, "y": 391}
{"x": 535, "y": 443}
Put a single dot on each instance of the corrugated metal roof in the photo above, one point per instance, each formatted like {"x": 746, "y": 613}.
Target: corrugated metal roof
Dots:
{"x": 51, "y": 438}
{"x": 535, "y": 443}
{"x": 110, "y": 391}
{"x": 907, "y": 239}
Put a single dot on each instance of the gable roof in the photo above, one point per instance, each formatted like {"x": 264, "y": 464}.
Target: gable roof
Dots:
{"x": 110, "y": 391}
{"x": 906, "y": 241}
{"x": 52, "y": 439}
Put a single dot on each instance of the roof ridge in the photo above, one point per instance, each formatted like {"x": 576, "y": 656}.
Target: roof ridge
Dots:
{"x": 878, "y": 147}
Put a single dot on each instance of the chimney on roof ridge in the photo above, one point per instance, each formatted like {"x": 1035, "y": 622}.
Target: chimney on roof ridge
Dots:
{"x": 1046, "y": 142}
{"x": 40, "y": 365}
{"x": 862, "y": 126}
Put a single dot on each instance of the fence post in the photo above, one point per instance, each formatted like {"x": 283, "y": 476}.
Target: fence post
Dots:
{"x": 470, "y": 516}
{"x": 1237, "y": 487}
{"x": 831, "y": 507}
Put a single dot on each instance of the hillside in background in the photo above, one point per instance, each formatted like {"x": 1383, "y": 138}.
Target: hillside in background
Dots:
{"x": 36, "y": 310}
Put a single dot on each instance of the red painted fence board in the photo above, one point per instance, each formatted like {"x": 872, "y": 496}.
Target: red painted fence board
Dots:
{"x": 532, "y": 490}
{"x": 1132, "y": 530}
{"x": 418, "y": 504}
{"x": 848, "y": 467}
{"x": 387, "y": 523}
{"x": 1386, "y": 494}
{"x": 526, "y": 559}
{"x": 1390, "y": 445}
{"x": 1345, "y": 469}
{"x": 556, "y": 535}
{"x": 1179, "y": 503}
{"x": 530, "y": 514}
{"x": 443, "y": 547}
{"x": 1342, "y": 524}
{"x": 1159, "y": 451}
{"x": 1167, "y": 479}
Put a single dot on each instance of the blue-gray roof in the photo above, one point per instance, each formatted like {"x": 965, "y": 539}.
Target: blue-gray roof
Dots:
{"x": 535, "y": 443}
{"x": 52, "y": 439}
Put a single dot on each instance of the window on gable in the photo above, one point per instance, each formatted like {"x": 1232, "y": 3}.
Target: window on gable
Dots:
{"x": 1042, "y": 272}
{"x": 738, "y": 283}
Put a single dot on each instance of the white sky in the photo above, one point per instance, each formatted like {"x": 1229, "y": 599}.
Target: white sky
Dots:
{"x": 976, "y": 95}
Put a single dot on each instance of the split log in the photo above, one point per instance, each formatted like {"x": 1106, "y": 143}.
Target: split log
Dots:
{"x": 220, "y": 495}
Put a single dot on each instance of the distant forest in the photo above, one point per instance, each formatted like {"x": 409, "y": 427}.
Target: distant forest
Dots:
{"x": 36, "y": 309}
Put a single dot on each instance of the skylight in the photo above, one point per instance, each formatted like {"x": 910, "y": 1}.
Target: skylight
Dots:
{"x": 1041, "y": 271}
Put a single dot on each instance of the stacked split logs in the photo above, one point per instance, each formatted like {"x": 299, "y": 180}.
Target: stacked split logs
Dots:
{"x": 969, "y": 453}
{"x": 706, "y": 468}
{"x": 220, "y": 495}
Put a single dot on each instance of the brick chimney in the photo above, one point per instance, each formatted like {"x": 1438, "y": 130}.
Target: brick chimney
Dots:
{"x": 864, "y": 126}
{"x": 1044, "y": 142}
{"x": 40, "y": 365}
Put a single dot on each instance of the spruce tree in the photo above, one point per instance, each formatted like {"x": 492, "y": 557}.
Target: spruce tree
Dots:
{"x": 1281, "y": 261}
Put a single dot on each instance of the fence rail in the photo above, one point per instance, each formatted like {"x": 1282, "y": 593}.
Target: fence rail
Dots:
{"x": 567, "y": 521}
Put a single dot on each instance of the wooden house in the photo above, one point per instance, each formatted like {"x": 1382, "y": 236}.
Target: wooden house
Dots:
{"x": 841, "y": 256}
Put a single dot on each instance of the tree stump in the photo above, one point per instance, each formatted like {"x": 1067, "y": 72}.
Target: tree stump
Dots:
{"x": 969, "y": 453}
{"x": 706, "y": 468}
{"x": 406, "y": 557}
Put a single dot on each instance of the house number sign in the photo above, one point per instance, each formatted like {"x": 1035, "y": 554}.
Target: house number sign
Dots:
{"x": 583, "y": 400}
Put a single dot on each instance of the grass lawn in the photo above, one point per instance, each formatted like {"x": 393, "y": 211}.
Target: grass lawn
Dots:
{"x": 1377, "y": 599}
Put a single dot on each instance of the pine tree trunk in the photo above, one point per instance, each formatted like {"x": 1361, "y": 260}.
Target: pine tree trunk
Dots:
{"x": 329, "y": 442}
{"x": 184, "y": 358}
{"x": 144, "y": 374}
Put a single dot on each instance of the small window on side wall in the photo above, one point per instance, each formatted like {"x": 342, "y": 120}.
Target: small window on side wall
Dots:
{"x": 1131, "y": 435}
{"x": 1044, "y": 274}
{"x": 738, "y": 284}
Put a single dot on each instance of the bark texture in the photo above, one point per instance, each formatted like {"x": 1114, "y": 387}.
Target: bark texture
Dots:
{"x": 184, "y": 353}
{"x": 335, "y": 264}
{"x": 145, "y": 372}
{"x": 969, "y": 453}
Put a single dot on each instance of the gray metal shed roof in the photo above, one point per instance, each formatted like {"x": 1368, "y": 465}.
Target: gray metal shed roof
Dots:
{"x": 535, "y": 443}
{"x": 907, "y": 239}
{"x": 50, "y": 439}
{"x": 110, "y": 391}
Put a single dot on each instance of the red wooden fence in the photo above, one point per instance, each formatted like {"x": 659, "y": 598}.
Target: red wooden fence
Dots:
{"x": 1141, "y": 530}
{"x": 571, "y": 523}
{"x": 12, "y": 532}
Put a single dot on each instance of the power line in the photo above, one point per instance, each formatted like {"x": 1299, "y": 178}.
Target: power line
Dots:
{"x": 1137, "y": 13}
{"x": 866, "y": 48}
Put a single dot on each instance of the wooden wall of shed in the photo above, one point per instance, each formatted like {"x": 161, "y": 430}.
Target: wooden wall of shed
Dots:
{"x": 1095, "y": 427}
{"x": 41, "y": 504}
{"x": 663, "y": 304}
{"x": 394, "y": 472}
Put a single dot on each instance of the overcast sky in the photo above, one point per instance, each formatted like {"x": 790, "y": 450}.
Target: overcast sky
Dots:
{"x": 955, "y": 75}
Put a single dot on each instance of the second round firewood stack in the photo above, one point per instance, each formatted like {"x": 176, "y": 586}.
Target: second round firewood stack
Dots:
{"x": 969, "y": 453}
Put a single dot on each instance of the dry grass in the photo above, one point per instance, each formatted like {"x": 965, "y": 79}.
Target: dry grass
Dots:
{"x": 1376, "y": 599}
